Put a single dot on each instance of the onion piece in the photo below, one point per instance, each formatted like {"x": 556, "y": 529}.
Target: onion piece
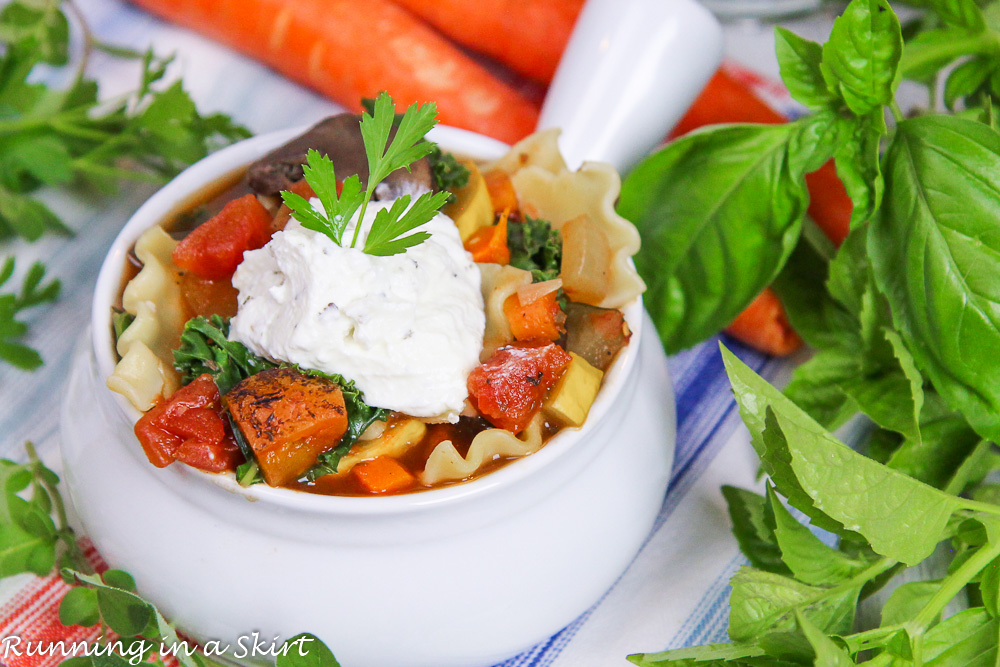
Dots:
{"x": 528, "y": 294}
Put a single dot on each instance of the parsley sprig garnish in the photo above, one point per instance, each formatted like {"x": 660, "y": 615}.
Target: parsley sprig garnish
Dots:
{"x": 389, "y": 232}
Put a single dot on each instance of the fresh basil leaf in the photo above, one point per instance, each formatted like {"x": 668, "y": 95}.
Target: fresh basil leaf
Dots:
{"x": 753, "y": 527}
{"x": 816, "y": 386}
{"x": 708, "y": 653}
{"x": 901, "y": 518}
{"x": 848, "y": 273}
{"x": 857, "y": 163}
{"x": 967, "y": 638}
{"x": 989, "y": 587}
{"x": 763, "y": 602}
{"x": 968, "y": 79}
{"x": 908, "y": 599}
{"x": 711, "y": 242}
{"x": 959, "y": 13}
{"x": 820, "y": 320}
{"x": 977, "y": 465}
{"x": 862, "y": 54}
{"x": 810, "y": 560}
{"x": 827, "y": 652}
{"x": 305, "y": 650}
{"x": 935, "y": 254}
{"x": 947, "y": 441}
{"x": 799, "y": 60}
{"x": 79, "y": 607}
{"x": 932, "y": 50}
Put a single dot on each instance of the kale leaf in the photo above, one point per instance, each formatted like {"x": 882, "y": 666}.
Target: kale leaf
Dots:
{"x": 536, "y": 247}
{"x": 449, "y": 174}
{"x": 205, "y": 348}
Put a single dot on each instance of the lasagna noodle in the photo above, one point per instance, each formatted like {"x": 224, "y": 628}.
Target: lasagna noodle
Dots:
{"x": 498, "y": 283}
{"x": 446, "y": 464}
{"x": 549, "y": 190}
{"x": 153, "y": 296}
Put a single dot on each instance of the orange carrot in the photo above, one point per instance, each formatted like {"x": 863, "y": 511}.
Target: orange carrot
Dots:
{"x": 542, "y": 319}
{"x": 489, "y": 244}
{"x": 529, "y": 36}
{"x": 727, "y": 100}
{"x": 764, "y": 326}
{"x": 348, "y": 50}
{"x": 382, "y": 474}
{"x": 501, "y": 190}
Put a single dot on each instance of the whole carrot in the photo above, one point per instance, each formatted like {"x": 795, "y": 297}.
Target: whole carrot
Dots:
{"x": 528, "y": 36}
{"x": 348, "y": 50}
{"x": 764, "y": 326}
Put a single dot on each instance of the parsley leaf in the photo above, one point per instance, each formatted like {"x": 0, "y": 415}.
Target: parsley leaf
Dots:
{"x": 387, "y": 235}
{"x": 32, "y": 293}
{"x": 321, "y": 176}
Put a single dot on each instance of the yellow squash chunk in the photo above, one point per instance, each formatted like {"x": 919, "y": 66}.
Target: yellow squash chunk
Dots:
{"x": 396, "y": 439}
{"x": 472, "y": 208}
{"x": 571, "y": 398}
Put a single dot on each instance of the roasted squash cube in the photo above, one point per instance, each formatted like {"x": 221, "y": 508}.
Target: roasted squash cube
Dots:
{"x": 288, "y": 419}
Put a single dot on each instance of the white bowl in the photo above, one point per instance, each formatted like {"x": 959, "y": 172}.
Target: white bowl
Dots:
{"x": 464, "y": 575}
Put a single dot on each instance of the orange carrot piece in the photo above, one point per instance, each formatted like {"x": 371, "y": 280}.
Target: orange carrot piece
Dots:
{"x": 527, "y": 36}
{"x": 501, "y": 191}
{"x": 348, "y": 50}
{"x": 382, "y": 474}
{"x": 542, "y": 319}
{"x": 727, "y": 100}
{"x": 765, "y": 327}
{"x": 489, "y": 244}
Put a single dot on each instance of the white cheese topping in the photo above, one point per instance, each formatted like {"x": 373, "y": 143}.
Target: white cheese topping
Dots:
{"x": 407, "y": 328}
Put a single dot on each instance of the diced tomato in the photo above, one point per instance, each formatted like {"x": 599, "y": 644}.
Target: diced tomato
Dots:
{"x": 215, "y": 248}
{"x": 189, "y": 427}
{"x": 509, "y": 388}
{"x": 210, "y": 456}
{"x": 541, "y": 319}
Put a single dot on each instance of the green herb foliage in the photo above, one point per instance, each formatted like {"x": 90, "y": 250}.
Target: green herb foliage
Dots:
{"x": 206, "y": 348}
{"x": 902, "y": 322}
{"x": 389, "y": 233}
{"x": 449, "y": 174}
{"x": 800, "y": 607}
{"x": 12, "y": 330}
{"x": 71, "y": 138}
{"x": 536, "y": 247}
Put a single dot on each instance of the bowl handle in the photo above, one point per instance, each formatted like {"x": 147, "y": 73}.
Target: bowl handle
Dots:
{"x": 629, "y": 72}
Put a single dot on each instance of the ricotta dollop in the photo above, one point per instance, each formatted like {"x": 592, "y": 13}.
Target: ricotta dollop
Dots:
{"x": 407, "y": 328}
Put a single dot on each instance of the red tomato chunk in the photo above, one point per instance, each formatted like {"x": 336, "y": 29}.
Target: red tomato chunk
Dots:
{"x": 509, "y": 388}
{"x": 215, "y": 248}
{"x": 189, "y": 428}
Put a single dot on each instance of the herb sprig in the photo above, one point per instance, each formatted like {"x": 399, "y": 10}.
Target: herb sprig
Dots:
{"x": 31, "y": 294}
{"x": 389, "y": 232}
{"x": 71, "y": 138}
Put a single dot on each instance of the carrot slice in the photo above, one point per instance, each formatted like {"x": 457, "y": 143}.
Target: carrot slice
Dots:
{"x": 542, "y": 319}
{"x": 529, "y": 37}
{"x": 489, "y": 244}
{"x": 348, "y": 50}
{"x": 382, "y": 474}
{"x": 764, "y": 326}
